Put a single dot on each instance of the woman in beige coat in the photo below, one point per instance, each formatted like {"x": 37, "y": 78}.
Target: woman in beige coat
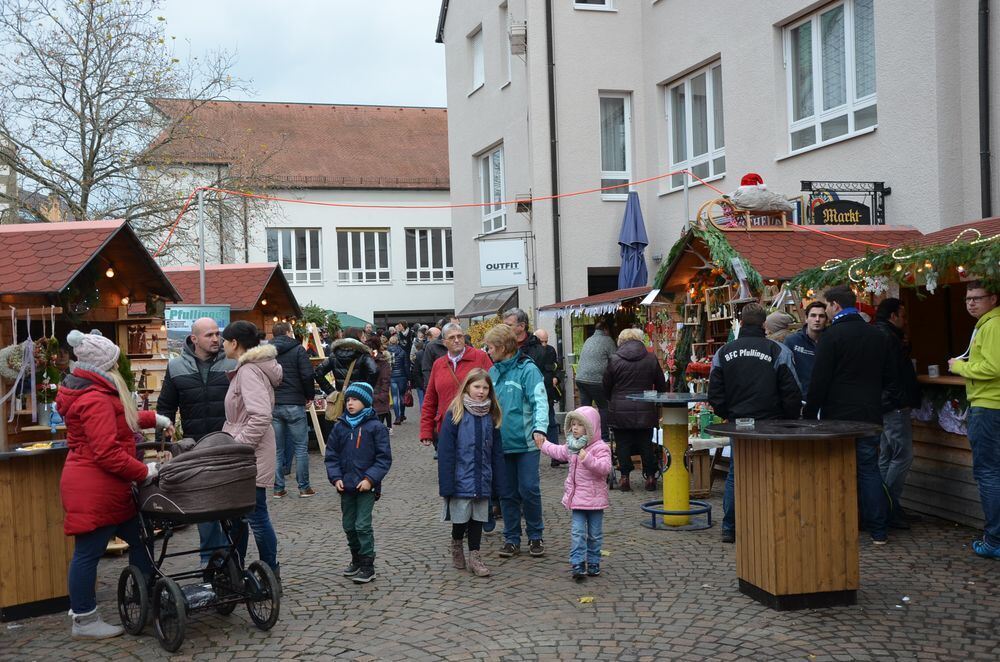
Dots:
{"x": 249, "y": 403}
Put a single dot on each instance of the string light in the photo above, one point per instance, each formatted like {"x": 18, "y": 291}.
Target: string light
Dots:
{"x": 263, "y": 302}
{"x": 110, "y": 273}
{"x": 274, "y": 319}
{"x": 928, "y": 265}
{"x": 125, "y": 301}
{"x": 899, "y": 267}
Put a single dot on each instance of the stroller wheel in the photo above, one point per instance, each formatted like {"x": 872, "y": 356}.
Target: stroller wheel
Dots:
{"x": 133, "y": 600}
{"x": 263, "y": 595}
{"x": 223, "y": 573}
{"x": 170, "y": 613}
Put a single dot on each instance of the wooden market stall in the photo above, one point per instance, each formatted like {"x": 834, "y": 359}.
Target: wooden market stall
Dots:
{"x": 75, "y": 275}
{"x": 257, "y": 293}
{"x": 940, "y": 481}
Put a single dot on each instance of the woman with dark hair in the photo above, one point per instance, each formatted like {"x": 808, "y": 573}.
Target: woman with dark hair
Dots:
{"x": 345, "y": 353}
{"x": 400, "y": 376}
{"x": 249, "y": 403}
{"x": 382, "y": 384}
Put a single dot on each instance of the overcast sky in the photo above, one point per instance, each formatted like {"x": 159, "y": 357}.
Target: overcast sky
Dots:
{"x": 322, "y": 51}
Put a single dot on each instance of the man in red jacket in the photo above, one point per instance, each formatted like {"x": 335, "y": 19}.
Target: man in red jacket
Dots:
{"x": 447, "y": 374}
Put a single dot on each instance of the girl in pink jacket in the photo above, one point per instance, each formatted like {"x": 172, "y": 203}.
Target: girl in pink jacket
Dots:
{"x": 586, "y": 494}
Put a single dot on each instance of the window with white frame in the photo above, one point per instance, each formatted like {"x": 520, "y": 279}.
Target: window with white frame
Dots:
{"x": 696, "y": 136}
{"x": 363, "y": 256}
{"x": 491, "y": 183}
{"x": 594, "y": 4}
{"x": 478, "y": 61}
{"x": 616, "y": 147}
{"x": 830, "y": 60}
{"x": 428, "y": 256}
{"x": 298, "y": 251}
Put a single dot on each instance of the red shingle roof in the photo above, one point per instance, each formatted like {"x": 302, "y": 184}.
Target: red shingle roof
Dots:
{"x": 239, "y": 285}
{"x": 45, "y": 257}
{"x": 781, "y": 255}
{"x": 986, "y": 226}
{"x": 312, "y": 145}
{"x": 597, "y": 299}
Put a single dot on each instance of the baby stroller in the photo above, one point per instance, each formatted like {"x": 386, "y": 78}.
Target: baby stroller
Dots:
{"x": 208, "y": 481}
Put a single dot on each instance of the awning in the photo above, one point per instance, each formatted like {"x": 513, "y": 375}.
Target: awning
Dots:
{"x": 347, "y": 320}
{"x": 598, "y": 304}
{"x": 488, "y": 303}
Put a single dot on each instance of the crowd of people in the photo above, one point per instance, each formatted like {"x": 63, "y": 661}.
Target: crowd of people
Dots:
{"x": 490, "y": 414}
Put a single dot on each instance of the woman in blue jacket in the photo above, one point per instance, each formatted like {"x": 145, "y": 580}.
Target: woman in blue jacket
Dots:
{"x": 520, "y": 390}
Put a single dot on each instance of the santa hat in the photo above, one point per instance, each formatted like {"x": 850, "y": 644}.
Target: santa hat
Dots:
{"x": 752, "y": 179}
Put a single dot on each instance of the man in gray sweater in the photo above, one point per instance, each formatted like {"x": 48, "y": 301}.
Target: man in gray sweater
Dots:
{"x": 594, "y": 356}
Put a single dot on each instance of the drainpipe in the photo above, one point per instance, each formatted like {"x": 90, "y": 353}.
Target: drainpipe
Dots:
{"x": 985, "y": 177}
{"x": 554, "y": 169}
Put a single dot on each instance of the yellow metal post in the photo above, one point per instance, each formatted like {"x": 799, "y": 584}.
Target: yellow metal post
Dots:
{"x": 676, "y": 480}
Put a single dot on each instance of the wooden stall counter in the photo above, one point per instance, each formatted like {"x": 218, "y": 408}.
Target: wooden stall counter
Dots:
{"x": 796, "y": 511}
{"x": 34, "y": 552}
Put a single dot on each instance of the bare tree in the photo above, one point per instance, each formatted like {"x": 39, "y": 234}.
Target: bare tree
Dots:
{"x": 76, "y": 78}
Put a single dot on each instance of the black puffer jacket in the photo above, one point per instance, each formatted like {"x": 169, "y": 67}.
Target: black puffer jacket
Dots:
{"x": 200, "y": 399}
{"x": 907, "y": 392}
{"x": 853, "y": 367}
{"x": 344, "y": 351}
{"x": 630, "y": 371}
{"x": 297, "y": 383}
{"x": 754, "y": 377}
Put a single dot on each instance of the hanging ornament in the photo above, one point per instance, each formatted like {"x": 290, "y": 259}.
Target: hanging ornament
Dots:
{"x": 876, "y": 284}
{"x": 931, "y": 280}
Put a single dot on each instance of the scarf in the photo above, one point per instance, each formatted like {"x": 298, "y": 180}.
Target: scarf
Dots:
{"x": 455, "y": 359}
{"x": 476, "y": 408}
{"x": 576, "y": 444}
{"x": 357, "y": 419}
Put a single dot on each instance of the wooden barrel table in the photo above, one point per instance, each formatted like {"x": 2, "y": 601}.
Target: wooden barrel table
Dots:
{"x": 797, "y": 511}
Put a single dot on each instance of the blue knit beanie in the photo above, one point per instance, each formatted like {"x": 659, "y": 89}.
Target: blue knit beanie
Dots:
{"x": 362, "y": 391}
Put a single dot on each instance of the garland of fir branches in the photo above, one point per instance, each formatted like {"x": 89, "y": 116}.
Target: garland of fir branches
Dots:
{"x": 720, "y": 251}
{"x": 970, "y": 255}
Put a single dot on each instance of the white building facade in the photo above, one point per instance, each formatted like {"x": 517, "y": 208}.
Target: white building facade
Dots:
{"x": 849, "y": 90}
{"x": 353, "y": 206}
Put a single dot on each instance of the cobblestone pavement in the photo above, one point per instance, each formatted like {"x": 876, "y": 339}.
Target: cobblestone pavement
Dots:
{"x": 662, "y": 595}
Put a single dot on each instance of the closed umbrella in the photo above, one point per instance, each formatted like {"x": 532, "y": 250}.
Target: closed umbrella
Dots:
{"x": 633, "y": 242}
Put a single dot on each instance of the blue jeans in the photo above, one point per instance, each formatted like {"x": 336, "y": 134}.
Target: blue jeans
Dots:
{"x": 291, "y": 430}
{"x": 729, "y": 499}
{"x": 398, "y": 385}
{"x": 984, "y": 437}
{"x": 263, "y": 533}
{"x": 89, "y": 549}
{"x": 586, "y": 537}
{"x": 522, "y": 494}
{"x": 420, "y": 397}
{"x": 896, "y": 453}
{"x": 872, "y": 497}
{"x": 212, "y": 537}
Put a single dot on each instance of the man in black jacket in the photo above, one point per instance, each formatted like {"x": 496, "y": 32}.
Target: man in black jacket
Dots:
{"x": 343, "y": 353}
{"x": 291, "y": 427}
{"x": 896, "y": 448}
{"x": 751, "y": 377}
{"x": 550, "y": 361}
{"x": 853, "y": 369}
{"x": 196, "y": 383}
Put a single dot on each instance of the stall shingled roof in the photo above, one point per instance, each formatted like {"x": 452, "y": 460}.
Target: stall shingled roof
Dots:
{"x": 774, "y": 255}
{"x": 45, "y": 258}
{"x": 241, "y": 286}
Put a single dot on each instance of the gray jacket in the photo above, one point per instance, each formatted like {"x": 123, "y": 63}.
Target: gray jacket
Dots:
{"x": 597, "y": 351}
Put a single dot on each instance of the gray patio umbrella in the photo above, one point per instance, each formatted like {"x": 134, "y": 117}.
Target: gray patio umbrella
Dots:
{"x": 633, "y": 242}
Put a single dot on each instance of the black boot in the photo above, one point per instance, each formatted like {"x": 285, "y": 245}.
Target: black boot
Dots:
{"x": 367, "y": 571}
{"x": 355, "y": 566}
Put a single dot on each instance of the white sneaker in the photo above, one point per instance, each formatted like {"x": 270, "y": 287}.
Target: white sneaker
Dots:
{"x": 91, "y": 626}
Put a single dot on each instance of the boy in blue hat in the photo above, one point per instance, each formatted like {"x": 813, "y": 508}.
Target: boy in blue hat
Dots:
{"x": 357, "y": 459}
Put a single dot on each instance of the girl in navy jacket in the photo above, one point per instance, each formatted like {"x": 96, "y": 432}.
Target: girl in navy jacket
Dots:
{"x": 470, "y": 465}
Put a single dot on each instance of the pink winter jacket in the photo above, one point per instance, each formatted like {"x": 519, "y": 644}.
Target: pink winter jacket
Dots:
{"x": 249, "y": 403}
{"x": 586, "y": 481}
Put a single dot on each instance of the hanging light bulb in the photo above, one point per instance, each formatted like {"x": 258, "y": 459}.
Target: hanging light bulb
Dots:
{"x": 110, "y": 273}
{"x": 274, "y": 319}
{"x": 928, "y": 265}
{"x": 899, "y": 267}
{"x": 125, "y": 301}
{"x": 961, "y": 269}
{"x": 163, "y": 327}
{"x": 263, "y": 302}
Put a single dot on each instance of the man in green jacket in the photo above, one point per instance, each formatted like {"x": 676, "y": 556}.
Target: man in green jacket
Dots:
{"x": 980, "y": 365}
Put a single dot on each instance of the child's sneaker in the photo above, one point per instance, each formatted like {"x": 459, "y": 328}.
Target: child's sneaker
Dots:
{"x": 509, "y": 549}
{"x": 536, "y": 547}
{"x": 986, "y": 550}
{"x": 593, "y": 569}
{"x": 367, "y": 571}
{"x": 353, "y": 568}
{"x": 579, "y": 571}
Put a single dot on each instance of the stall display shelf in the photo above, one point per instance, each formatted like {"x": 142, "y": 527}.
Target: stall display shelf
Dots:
{"x": 41, "y": 428}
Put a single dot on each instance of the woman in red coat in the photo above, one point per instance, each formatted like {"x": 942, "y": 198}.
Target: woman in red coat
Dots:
{"x": 101, "y": 425}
